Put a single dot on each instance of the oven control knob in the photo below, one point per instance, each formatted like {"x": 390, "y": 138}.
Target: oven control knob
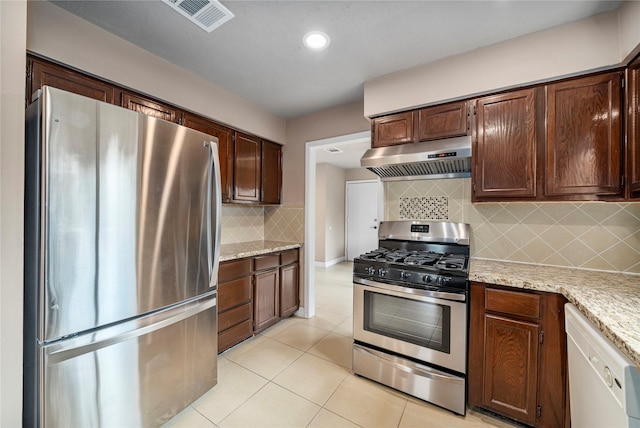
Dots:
{"x": 370, "y": 270}
{"x": 442, "y": 281}
{"x": 428, "y": 279}
{"x": 382, "y": 271}
{"x": 404, "y": 275}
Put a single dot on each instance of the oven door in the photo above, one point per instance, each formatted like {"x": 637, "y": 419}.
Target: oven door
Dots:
{"x": 425, "y": 325}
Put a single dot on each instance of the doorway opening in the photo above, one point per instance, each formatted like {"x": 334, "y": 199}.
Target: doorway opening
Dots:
{"x": 311, "y": 151}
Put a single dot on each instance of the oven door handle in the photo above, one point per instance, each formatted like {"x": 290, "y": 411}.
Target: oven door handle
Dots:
{"x": 458, "y": 297}
{"x": 410, "y": 367}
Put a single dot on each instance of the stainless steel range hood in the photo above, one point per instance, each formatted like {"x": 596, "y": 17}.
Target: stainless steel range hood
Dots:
{"x": 448, "y": 158}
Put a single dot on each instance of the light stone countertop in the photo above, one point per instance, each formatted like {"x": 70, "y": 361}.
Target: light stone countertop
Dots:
{"x": 253, "y": 248}
{"x": 611, "y": 301}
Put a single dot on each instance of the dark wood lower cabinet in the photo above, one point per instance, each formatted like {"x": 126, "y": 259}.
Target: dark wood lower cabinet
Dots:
{"x": 511, "y": 367}
{"x": 265, "y": 305}
{"x": 289, "y": 283}
{"x": 517, "y": 354}
{"x": 255, "y": 293}
{"x": 235, "y": 314}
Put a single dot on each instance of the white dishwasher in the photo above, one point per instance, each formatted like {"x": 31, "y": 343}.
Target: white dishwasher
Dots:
{"x": 604, "y": 385}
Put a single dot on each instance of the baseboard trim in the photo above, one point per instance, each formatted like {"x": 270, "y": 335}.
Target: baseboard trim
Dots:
{"x": 330, "y": 263}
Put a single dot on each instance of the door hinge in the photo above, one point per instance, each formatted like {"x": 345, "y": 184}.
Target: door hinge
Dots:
{"x": 538, "y": 411}
{"x": 622, "y": 81}
{"x": 541, "y": 336}
{"x": 622, "y": 181}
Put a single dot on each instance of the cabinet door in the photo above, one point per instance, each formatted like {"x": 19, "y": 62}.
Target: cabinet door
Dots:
{"x": 633, "y": 142}
{"x": 505, "y": 147}
{"x": 246, "y": 171}
{"x": 288, "y": 290}
{"x": 225, "y": 148}
{"x": 449, "y": 120}
{"x": 150, "y": 107}
{"x": 391, "y": 130}
{"x": 583, "y": 145}
{"x": 266, "y": 288}
{"x": 271, "y": 172}
{"x": 42, "y": 73}
{"x": 511, "y": 367}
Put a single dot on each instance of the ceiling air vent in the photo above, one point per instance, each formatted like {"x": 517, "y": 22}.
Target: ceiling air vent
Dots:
{"x": 206, "y": 14}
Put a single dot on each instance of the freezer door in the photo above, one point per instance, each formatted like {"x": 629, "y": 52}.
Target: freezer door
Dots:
{"x": 137, "y": 374}
{"x": 127, "y": 223}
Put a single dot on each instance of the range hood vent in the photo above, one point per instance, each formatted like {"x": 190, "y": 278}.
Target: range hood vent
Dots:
{"x": 448, "y": 158}
{"x": 206, "y": 14}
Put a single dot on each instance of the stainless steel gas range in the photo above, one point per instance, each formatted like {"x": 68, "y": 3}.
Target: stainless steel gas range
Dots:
{"x": 410, "y": 311}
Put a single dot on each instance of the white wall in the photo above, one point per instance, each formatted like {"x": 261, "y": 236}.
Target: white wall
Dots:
{"x": 334, "y": 213}
{"x": 13, "y": 33}
{"x": 589, "y": 44}
{"x": 62, "y": 36}
{"x": 629, "y": 22}
{"x": 343, "y": 120}
{"x": 360, "y": 174}
{"x": 321, "y": 196}
{"x": 330, "y": 199}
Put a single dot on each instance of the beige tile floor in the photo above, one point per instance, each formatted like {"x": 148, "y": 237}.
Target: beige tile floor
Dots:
{"x": 298, "y": 374}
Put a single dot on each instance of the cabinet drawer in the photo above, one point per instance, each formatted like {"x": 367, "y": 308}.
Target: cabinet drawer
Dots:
{"x": 289, "y": 257}
{"x": 234, "y": 335}
{"x": 266, "y": 262}
{"x": 234, "y": 316}
{"x": 234, "y": 269}
{"x": 513, "y": 302}
{"x": 234, "y": 293}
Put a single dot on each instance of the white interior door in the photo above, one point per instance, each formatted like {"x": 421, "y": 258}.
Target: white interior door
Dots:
{"x": 362, "y": 217}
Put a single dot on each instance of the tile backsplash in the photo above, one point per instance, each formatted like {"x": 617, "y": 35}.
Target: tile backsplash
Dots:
{"x": 424, "y": 200}
{"x": 241, "y": 224}
{"x": 254, "y": 223}
{"x": 586, "y": 235}
{"x": 284, "y": 224}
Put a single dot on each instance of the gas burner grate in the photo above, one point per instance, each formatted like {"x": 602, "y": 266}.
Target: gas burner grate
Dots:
{"x": 451, "y": 263}
{"x": 421, "y": 258}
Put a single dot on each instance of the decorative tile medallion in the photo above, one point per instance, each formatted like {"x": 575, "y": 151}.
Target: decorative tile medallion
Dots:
{"x": 424, "y": 208}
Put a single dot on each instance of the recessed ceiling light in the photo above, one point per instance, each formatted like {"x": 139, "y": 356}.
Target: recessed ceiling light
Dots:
{"x": 316, "y": 40}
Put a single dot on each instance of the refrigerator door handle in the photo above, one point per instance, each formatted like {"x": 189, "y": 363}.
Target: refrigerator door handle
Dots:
{"x": 213, "y": 212}
{"x": 168, "y": 318}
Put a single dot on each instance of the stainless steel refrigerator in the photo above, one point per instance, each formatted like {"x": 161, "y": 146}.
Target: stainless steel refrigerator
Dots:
{"x": 121, "y": 257}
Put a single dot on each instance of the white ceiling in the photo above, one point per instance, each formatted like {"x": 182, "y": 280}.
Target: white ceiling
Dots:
{"x": 259, "y": 54}
{"x": 348, "y": 157}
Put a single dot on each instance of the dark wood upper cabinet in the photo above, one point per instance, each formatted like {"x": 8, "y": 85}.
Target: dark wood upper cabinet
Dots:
{"x": 584, "y": 143}
{"x": 151, "y": 107}
{"x": 633, "y": 130}
{"x": 225, "y": 148}
{"x": 271, "y": 173}
{"x": 246, "y": 168}
{"x": 505, "y": 146}
{"x": 391, "y": 130}
{"x": 41, "y": 73}
{"x": 245, "y": 176}
{"x": 443, "y": 121}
